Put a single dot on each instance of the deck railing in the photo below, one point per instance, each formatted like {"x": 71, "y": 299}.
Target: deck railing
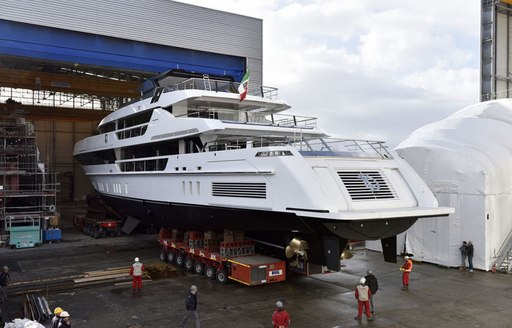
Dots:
{"x": 223, "y": 86}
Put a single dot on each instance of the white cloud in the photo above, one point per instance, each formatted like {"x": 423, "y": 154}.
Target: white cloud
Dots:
{"x": 368, "y": 69}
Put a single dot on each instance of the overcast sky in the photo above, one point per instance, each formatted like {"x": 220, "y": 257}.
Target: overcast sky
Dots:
{"x": 368, "y": 69}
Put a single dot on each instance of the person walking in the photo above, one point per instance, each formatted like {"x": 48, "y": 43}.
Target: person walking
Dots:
{"x": 191, "y": 307}
{"x": 363, "y": 295}
{"x": 373, "y": 284}
{"x": 280, "y": 317}
{"x": 463, "y": 254}
{"x": 5, "y": 280}
{"x": 65, "y": 322}
{"x": 406, "y": 270}
{"x": 470, "y": 252}
{"x": 136, "y": 271}
{"x": 56, "y": 318}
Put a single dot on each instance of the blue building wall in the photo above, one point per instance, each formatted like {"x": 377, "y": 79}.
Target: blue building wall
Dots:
{"x": 20, "y": 39}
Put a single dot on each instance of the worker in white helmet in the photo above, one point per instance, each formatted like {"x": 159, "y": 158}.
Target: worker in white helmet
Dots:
{"x": 280, "y": 317}
{"x": 65, "y": 322}
{"x": 406, "y": 270}
{"x": 191, "y": 307}
{"x": 363, "y": 295}
{"x": 136, "y": 271}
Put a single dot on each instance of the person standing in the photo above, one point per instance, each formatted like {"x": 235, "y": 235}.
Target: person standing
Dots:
{"x": 470, "y": 252}
{"x": 65, "y": 322}
{"x": 191, "y": 307}
{"x": 373, "y": 284}
{"x": 136, "y": 271}
{"x": 406, "y": 270}
{"x": 280, "y": 317}
{"x": 463, "y": 254}
{"x": 363, "y": 295}
{"x": 56, "y": 318}
{"x": 5, "y": 280}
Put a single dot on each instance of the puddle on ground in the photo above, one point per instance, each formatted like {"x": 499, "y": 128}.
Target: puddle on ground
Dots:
{"x": 161, "y": 271}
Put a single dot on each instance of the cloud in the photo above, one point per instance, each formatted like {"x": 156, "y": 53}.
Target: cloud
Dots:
{"x": 368, "y": 69}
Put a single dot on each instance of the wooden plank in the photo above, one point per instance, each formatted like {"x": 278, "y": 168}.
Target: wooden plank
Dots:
{"x": 113, "y": 276}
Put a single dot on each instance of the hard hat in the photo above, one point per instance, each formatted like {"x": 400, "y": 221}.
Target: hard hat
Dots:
{"x": 136, "y": 259}
{"x": 279, "y": 304}
{"x": 369, "y": 272}
{"x": 193, "y": 288}
{"x": 5, "y": 268}
{"x": 57, "y": 311}
{"x": 406, "y": 257}
{"x": 362, "y": 281}
{"x": 64, "y": 314}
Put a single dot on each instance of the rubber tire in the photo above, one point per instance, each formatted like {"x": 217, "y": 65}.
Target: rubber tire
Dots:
{"x": 199, "y": 268}
{"x": 210, "y": 272}
{"x": 180, "y": 259}
{"x": 188, "y": 264}
{"x": 163, "y": 256}
{"x": 171, "y": 257}
{"x": 222, "y": 276}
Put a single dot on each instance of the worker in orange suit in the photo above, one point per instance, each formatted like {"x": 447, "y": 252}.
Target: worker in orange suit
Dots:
{"x": 280, "y": 317}
{"x": 136, "y": 271}
{"x": 406, "y": 269}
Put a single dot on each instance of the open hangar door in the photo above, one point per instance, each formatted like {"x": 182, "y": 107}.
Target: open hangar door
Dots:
{"x": 65, "y": 82}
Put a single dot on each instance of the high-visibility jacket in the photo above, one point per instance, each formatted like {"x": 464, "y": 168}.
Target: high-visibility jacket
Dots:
{"x": 407, "y": 266}
{"x": 363, "y": 293}
{"x": 136, "y": 269}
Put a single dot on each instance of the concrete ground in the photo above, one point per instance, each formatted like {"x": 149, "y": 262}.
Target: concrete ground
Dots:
{"x": 438, "y": 297}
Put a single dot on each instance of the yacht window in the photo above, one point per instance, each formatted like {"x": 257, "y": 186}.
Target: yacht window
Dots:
{"x": 107, "y": 127}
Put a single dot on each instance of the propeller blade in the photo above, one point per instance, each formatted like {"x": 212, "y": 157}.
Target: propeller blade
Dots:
{"x": 295, "y": 243}
{"x": 346, "y": 254}
{"x": 289, "y": 252}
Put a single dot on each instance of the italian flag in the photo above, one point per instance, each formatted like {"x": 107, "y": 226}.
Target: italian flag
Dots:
{"x": 244, "y": 85}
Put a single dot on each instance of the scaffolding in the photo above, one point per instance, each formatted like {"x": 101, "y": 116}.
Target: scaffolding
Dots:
{"x": 27, "y": 188}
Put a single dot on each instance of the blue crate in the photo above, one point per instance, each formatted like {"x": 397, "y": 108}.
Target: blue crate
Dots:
{"x": 52, "y": 235}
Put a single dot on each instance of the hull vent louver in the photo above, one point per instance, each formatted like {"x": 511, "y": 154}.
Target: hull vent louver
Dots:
{"x": 367, "y": 185}
{"x": 244, "y": 190}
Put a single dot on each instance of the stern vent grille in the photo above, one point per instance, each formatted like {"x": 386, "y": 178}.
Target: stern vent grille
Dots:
{"x": 367, "y": 185}
{"x": 244, "y": 190}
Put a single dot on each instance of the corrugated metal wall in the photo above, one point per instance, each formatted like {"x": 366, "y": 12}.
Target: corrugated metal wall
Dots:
{"x": 162, "y": 22}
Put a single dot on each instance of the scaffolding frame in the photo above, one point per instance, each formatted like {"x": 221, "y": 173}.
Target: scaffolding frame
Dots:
{"x": 27, "y": 187}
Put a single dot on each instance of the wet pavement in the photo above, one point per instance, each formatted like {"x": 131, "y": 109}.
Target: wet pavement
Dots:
{"x": 438, "y": 297}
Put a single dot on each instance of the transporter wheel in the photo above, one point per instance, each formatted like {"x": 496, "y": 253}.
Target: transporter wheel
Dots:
{"x": 189, "y": 264}
{"x": 180, "y": 258}
{"x": 210, "y": 272}
{"x": 222, "y": 276}
{"x": 163, "y": 256}
{"x": 171, "y": 256}
{"x": 199, "y": 267}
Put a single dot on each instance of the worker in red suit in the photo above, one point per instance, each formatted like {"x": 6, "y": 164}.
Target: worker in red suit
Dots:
{"x": 280, "y": 318}
{"x": 406, "y": 269}
{"x": 363, "y": 295}
{"x": 136, "y": 271}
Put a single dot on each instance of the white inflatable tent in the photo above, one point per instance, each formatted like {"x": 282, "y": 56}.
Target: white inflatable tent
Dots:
{"x": 466, "y": 160}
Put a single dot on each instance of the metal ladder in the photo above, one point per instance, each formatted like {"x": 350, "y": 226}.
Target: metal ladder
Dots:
{"x": 505, "y": 265}
{"x": 503, "y": 260}
{"x": 206, "y": 81}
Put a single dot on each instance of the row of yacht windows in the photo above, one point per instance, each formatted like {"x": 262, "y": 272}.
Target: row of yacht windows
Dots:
{"x": 126, "y": 122}
{"x": 157, "y": 149}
